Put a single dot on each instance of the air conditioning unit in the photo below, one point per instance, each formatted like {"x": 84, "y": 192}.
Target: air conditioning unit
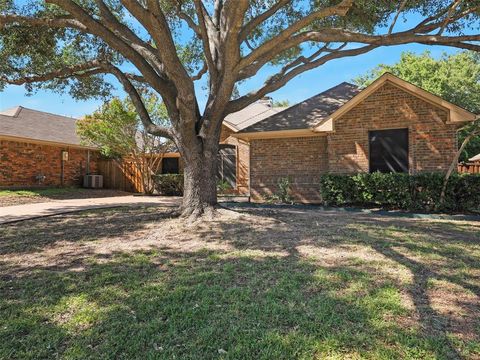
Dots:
{"x": 93, "y": 181}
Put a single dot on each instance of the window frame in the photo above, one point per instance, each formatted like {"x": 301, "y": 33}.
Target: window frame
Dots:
{"x": 170, "y": 159}
{"x": 407, "y": 132}
{"x": 220, "y": 162}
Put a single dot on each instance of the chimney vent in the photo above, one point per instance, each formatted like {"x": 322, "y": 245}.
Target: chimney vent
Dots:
{"x": 266, "y": 100}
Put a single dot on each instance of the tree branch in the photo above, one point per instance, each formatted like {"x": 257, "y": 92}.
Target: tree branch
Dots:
{"x": 210, "y": 41}
{"x": 156, "y": 80}
{"x": 447, "y": 20}
{"x": 185, "y": 17}
{"x": 80, "y": 70}
{"x": 58, "y": 22}
{"x": 340, "y": 9}
{"x": 400, "y": 9}
{"x": 201, "y": 72}
{"x": 284, "y": 76}
{"x": 252, "y": 24}
{"x": 147, "y": 122}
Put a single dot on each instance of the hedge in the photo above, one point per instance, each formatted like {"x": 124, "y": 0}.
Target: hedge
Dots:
{"x": 169, "y": 184}
{"x": 419, "y": 192}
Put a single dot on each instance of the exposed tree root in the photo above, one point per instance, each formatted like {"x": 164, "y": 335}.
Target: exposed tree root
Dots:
{"x": 195, "y": 214}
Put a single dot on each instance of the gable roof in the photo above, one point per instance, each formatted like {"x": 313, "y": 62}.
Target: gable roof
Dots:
{"x": 20, "y": 123}
{"x": 308, "y": 113}
{"x": 456, "y": 114}
{"x": 250, "y": 115}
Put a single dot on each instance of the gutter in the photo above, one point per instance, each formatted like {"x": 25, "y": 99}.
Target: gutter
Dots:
{"x": 46, "y": 142}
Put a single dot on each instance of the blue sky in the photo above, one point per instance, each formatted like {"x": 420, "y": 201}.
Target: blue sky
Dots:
{"x": 304, "y": 86}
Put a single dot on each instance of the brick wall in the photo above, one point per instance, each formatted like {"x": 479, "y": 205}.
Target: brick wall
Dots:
{"x": 21, "y": 162}
{"x": 432, "y": 144}
{"x": 243, "y": 159}
{"x": 301, "y": 159}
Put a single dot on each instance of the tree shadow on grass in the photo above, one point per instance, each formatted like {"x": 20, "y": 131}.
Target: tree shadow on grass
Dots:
{"x": 201, "y": 305}
{"x": 34, "y": 235}
{"x": 447, "y": 243}
{"x": 264, "y": 298}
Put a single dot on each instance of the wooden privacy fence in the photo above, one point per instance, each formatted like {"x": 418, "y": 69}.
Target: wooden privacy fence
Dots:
{"x": 124, "y": 176}
{"x": 470, "y": 168}
{"x": 127, "y": 176}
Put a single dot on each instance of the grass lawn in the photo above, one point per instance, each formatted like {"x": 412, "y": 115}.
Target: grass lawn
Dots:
{"x": 28, "y": 196}
{"x": 286, "y": 283}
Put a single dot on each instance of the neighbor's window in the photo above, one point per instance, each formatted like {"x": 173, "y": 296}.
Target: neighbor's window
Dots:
{"x": 170, "y": 166}
{"x": 389, "y": 150}
{"x": 227, "y": 164}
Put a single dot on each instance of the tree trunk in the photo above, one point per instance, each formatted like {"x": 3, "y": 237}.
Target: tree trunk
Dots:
{"x": 200, "y": 180}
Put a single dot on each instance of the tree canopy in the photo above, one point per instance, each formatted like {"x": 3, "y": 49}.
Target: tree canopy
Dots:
{"x": 455, "y": 78}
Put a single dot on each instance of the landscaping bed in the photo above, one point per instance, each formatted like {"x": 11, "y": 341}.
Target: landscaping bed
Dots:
{"x": 257, "y": 283}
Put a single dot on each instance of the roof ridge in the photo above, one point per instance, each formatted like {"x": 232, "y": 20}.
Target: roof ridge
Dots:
{"x": 311, "y": 97}
{"x": 49, "y": 113}
{"x": 252, "y": 116}
{"x": 279, "y": 113}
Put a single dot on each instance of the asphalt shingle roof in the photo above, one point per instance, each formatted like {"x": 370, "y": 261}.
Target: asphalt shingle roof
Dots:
{"x": 38, "y": 125}
{"x": 32, "y": 124}
{"x": 252, "y": 114}
{"x": 309, "y": 112}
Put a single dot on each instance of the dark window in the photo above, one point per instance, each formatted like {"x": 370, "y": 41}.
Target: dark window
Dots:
{"x": 389, "y": 150}
{"x": 170, "y": 166}
{"x": 227, "y": 164}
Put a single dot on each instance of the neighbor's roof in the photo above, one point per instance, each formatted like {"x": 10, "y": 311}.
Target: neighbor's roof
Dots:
{"x": 28, "y": 124}
{"x": 309, "y": 112}
{"x": 475, "y": 158}
{"x": 250, "y": 115}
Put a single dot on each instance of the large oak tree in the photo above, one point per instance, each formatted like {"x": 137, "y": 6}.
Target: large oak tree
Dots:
{"x": 167, "y": 46}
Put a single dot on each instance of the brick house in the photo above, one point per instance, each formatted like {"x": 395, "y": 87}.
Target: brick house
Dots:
{"x": 390, "y": 125}
{"x": 41, "y": 149}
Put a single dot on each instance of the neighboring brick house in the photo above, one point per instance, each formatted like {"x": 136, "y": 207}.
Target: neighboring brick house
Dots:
{"x": 33, "y": 145}
{"x": 390, "y": 125}
{"x": 41, "y": 149}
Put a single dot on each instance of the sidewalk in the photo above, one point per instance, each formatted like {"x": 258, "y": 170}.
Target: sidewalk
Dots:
{"x": 31, "y": 211}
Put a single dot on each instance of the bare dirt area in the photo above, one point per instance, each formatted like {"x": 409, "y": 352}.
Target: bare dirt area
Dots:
{"x": 298, "y": 282}
{"x": 21, "y": 197}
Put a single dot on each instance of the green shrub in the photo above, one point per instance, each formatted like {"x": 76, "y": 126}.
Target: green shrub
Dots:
{"x": 419, "y": 192}
{"x": 223, "y": 186}
{"x": 169, "y": 184}
{"x": 283, "y": 194}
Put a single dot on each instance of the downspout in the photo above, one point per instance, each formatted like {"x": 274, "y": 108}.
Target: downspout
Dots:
{"x": 62, "y": 169}
{"x": 88, "y": 163}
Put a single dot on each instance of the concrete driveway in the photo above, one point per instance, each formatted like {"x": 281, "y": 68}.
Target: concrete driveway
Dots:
{"x": 15, "y": 213}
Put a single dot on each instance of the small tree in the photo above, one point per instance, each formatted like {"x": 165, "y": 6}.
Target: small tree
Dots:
{"x": 472, "y": 131}
{"x": 116, "y": 129}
